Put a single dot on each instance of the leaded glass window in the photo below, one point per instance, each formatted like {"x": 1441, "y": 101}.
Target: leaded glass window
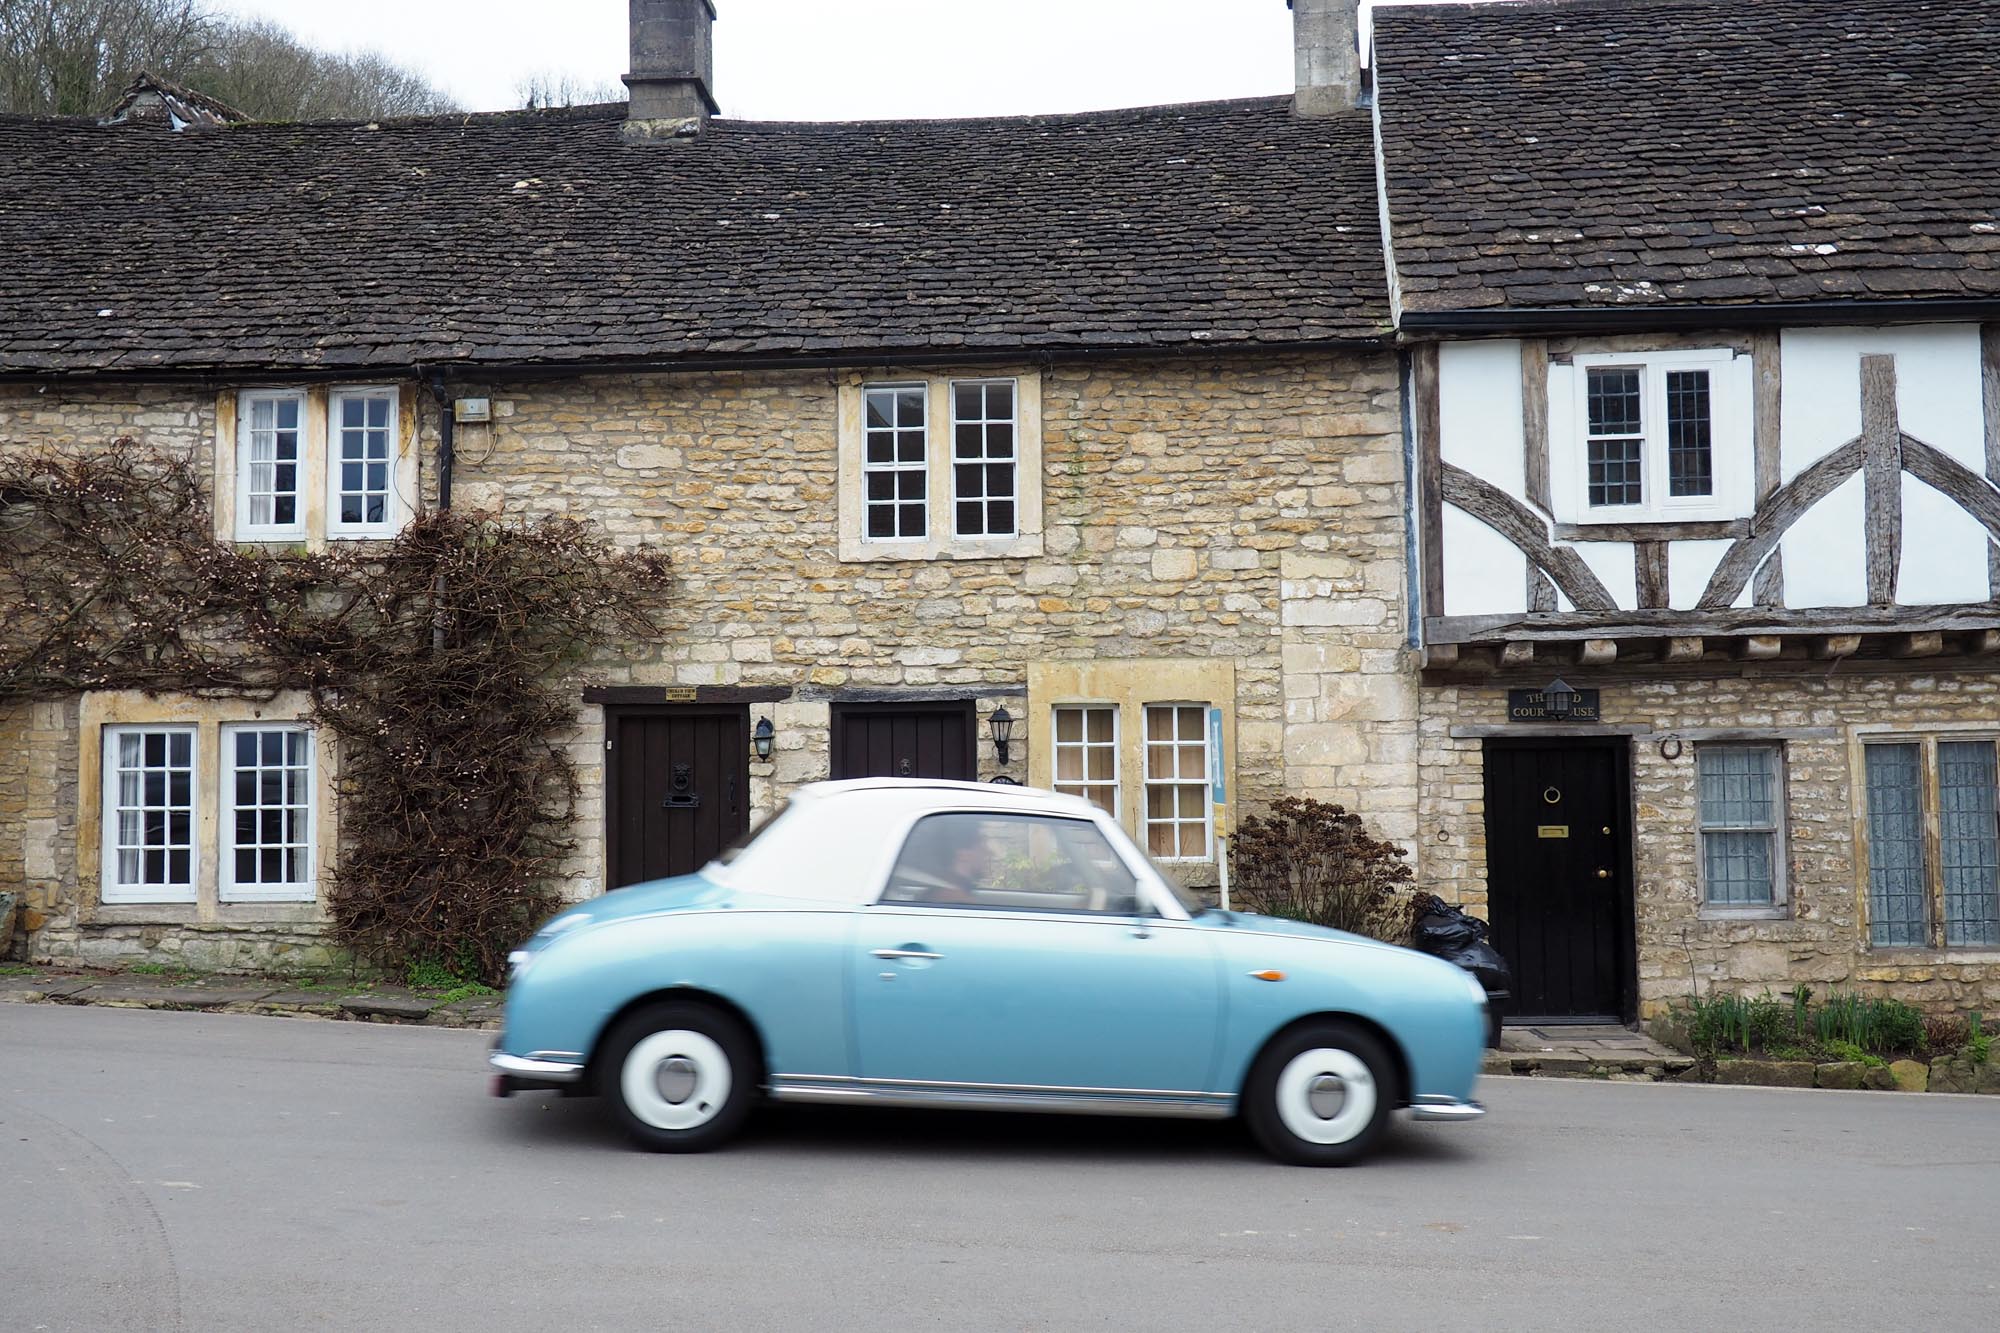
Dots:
{"x": 1741, "y": 801}
{"x": 895, "y": 462}
{"x": 983, "y": 457}
{"x": 1969, "y": 839}
{"x": 1617, "y": 436}
{"x": 1690, "y": 434}
{"x": 1898, "y": 897}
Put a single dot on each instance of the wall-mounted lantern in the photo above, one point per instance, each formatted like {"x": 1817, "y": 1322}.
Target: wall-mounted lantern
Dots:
{"x": 761, "y": 739}
{"x": 1558, "y": 700}
{"x": 1002, "y": 724}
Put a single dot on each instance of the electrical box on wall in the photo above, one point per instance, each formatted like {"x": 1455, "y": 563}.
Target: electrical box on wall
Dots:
{"x": 467, "y": 411}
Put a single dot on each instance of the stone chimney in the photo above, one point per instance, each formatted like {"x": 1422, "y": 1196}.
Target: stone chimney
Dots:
{"x": 673, "y": 63}
{"x": 1326, "y": 40}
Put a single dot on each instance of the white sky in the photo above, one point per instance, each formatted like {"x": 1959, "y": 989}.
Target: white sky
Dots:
{"x": 839, "y": 59}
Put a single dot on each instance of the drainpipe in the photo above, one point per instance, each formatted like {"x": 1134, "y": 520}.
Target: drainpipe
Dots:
{"x": 447, "y": 446}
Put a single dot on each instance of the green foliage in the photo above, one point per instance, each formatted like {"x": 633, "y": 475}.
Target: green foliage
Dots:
{"x": 1845, "y": 1026}
{"x": 1312, "y": 861}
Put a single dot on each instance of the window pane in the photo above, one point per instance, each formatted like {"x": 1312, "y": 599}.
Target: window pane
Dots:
{"x": 1738, "y": 867}
{"x": 1615, "y": 473}
{"x": 1969, "y": 826}
{"x": 1614, "y": 401}
{"x": 1896, "y": 893}
{"x": 1690, "y": 464}
{"x": 1069, "y": 725}
{"x": 1738, "y": 786}
{"x": 1011, "y": 862}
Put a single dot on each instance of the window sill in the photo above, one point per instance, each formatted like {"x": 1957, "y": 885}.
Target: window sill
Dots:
{"x": 1923, "y": 955}
{"x": 1710, "y": 912}
{"x": 856, "y": 550}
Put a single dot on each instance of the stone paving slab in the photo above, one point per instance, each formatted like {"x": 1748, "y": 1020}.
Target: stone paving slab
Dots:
{"x": 169, "y": 997}
{"x": 402, "y": 1008}
{"x": 44, "y": 987}
{"x": 1555, "y": 1051}
{"x": 248, "y": 995}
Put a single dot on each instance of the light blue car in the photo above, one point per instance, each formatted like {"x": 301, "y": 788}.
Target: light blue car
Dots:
{"x": 952, "y": 944}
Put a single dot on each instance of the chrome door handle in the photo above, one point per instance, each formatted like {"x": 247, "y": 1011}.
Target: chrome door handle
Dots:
{"x": 905, "y": 953}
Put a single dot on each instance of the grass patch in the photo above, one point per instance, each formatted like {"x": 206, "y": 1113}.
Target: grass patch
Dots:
{"x": 17, "y": 970}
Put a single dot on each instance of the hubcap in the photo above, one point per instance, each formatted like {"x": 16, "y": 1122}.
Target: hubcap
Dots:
{"x": 1327, "y": 1095}
{"x": 675, "y": 1079}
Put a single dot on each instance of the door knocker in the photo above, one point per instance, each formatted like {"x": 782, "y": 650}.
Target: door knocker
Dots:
{"x": 902, "y": 768}
{"x": 679, "y": 793}
{"x": 1552, "y": 796}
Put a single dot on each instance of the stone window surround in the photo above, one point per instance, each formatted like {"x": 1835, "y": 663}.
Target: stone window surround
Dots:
{"x": 316, "y": 465}
{"x": 208, "y": 717}
{"x": 1730, "y": 412}
{"x": 1130, "y": 685}
{"x": 941, "y": 543}
{"x": 1779, "y": 908}
{"x": 1859, "y": 737}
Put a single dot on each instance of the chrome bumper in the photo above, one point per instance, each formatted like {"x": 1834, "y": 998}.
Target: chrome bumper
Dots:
{"x": 531, "y": 1069}
{"x": 1445, "y": 1108}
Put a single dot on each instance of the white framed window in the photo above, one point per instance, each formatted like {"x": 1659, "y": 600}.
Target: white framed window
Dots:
{"x": 1923, "y": 893}
{"x": 361, "y": 463}
{"x": 270, "y": 465}
{"x": 896, "y": 462}
{"x": 1085, "y": 746}
{"x": 1659, "y": 436}
{"x": 940, "y": 467}
{"x": 982, "y": 458}
{"x": 1741, "y": 813}
{"x": 149, "y": 851}
{"x": 267, "y": 813}
{"x": 1176, "y": 816}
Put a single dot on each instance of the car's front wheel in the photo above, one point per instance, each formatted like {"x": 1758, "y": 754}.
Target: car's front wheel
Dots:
{"x": 1321, "y": 1095}
{"x": 679, "y": 1076}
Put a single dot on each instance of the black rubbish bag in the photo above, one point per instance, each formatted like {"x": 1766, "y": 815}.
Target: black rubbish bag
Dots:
{"x": 1444, "y": 931}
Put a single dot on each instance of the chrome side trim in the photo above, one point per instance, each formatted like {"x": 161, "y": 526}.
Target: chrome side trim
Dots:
{"x": 542, "y": 1066}
{"x": 1449, "y": 1109}
{"x": 828, "y": 1089}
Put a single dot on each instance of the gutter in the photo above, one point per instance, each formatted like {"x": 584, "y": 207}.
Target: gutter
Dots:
{"x": 479, "y": 371}
{"x": 1658, "y": 318}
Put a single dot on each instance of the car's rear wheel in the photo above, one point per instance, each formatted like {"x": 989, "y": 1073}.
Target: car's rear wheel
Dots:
{"x": 1321, "y": 1095}
{"x": 680, "y": 1076}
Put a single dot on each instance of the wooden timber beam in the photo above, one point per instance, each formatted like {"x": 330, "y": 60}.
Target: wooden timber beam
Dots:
{"x": 1440, "y": 656}
{"x": 1833, "y": 647}
{"x": 1759, "y": 647}
{"x": 1985, "y": 641}
{"x": 1517, "y": 655}
{"x": 1683, "y": 650}
{"x": 1927, "y": 644}
{"x": 1597, "y": 652}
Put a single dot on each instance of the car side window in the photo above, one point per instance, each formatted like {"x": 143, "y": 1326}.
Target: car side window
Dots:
{"x": 1030, "y": 863}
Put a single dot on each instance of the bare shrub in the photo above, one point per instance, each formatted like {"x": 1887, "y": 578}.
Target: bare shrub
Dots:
{"x": 1312, "y": 861}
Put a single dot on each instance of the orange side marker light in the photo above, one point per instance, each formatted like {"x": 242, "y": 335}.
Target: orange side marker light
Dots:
{"x": 1269, "y": 974}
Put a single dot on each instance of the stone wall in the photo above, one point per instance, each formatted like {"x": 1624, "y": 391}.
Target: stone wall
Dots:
{"x": 1818, "y": 719}
{"x": 1249, "y": 510}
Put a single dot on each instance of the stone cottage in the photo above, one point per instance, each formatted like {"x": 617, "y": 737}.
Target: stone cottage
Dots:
{"x": 1015, "y": 448}
{"x": 1701, "y": 301}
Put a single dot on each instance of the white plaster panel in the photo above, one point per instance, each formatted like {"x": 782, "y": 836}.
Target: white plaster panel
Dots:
{"x": 1826, "y": 557}
{"x": 1484, "y": 573}
{"x": 1616, "y": 567}
{"x": 1690, "y": 565}
{"x": 1944, "y": 550}
{"x": 1479, "y": 412}
{"x": 1938, "y": 393}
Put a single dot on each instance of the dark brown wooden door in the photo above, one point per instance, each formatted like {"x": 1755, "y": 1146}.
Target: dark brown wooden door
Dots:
{"x": 677, "y": 790}
{"x": 1559, "y": 876}
{"x": 931, "y": 740}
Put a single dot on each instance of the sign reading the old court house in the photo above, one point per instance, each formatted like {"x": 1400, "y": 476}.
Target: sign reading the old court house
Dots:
{"x": 1532, "y": 706}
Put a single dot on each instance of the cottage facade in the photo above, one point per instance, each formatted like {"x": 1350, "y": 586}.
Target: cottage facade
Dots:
{"x": 1708, "y": 406}
{"x": 1061, "y": 420}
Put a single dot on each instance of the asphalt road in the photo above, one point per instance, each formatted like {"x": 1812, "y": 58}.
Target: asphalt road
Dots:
{"x": 166, "y": 1171}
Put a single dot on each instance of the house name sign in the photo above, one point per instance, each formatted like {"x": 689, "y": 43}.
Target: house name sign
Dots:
{"x": 1532, "y": 706}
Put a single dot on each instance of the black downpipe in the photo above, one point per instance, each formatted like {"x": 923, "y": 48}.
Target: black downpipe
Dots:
{"x": 447, "y": 441}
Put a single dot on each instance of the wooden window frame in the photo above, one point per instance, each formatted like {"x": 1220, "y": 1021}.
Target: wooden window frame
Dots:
{"x": 1148, "y": 782}
{"x": 228, "y": 890}
{"x": 1730, "y": 418}
{"x": 109, "y": 890}
{"x": 303, "y": 467}
{"x": 1779, "y": 907}
{"x": 1057, "y": 745}
{"x": 395, "y": 508}
{"x": 985, "y": 460}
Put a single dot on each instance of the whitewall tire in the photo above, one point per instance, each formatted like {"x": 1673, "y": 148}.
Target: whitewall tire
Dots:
{"x": 680, "y": 1076}
{"x": 1321, "y": 1095}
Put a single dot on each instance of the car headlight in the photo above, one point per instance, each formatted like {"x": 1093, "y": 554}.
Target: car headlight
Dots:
{"x": 518, "y": 961}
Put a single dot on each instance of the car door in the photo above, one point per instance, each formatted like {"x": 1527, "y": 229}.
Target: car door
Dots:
{"x": 1036, "y": 969}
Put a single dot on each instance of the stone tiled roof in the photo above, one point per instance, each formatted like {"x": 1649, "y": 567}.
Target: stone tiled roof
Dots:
{"x": 545, "y": 237}
{"x": 1600, "y": 153}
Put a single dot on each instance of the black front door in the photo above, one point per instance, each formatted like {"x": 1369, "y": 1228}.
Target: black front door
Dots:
{"x": 928, "y": 740}
{"x": 1559, "y": 876}
{"x": 677, "y": 788}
